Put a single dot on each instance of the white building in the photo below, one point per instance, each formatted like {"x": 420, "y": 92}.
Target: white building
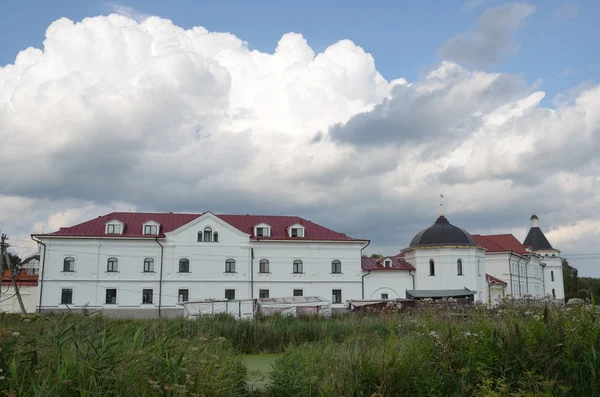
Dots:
{"x": 143, "y": 264}
{"x": 446, "y": 261}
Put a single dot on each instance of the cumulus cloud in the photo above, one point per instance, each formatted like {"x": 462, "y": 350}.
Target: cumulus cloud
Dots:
{"x": 490, "y": 40}
{"x": 114, "y": 114}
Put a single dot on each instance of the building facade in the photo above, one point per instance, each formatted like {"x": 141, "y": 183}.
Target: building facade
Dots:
{"x": 144, "y": 264}
{"x": 446, "y": 261}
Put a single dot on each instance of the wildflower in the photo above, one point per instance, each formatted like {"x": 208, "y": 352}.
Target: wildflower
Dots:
{"x": 536, "y": 317}
{"x": 1, "y": 370}
{"x": 2, "y": 378}
{"x": 195, "y": 349}
{"x": 16, "y": 334}
{"x": 434, "y": 334}
{"x": 221, "y": 339}
{"x": 26, "y": 320}
{"x": 467, "y": 334}
{"x": 528, "y": 313}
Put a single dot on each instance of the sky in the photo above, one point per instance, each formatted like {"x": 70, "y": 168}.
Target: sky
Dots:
{"x": 356, "y": 117}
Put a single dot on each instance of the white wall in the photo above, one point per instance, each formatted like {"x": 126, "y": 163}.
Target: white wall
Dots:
{"x": 446, "y": 274}
{"x": 207, "y": 277}
{"x": 391, "y": 282}
{"x": 553, "y": 264}
{"x": 11, "y": 305}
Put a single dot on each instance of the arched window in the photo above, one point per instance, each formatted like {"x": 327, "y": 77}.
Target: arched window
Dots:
{"x": 298, "y": 267}
{"x": 336, "y": 266}
{"x": 69, "y": 264}
{"x": 459, "y": 269}
{"x": 431, "y": 267}
{"x": 216, "y": 237}
{"x": 148, "y": 265}
{"x": 184, "y": 265}
{"x": 263, "y": 266}
{"x": 230, "y": 266}
{"x": 553, "y": 293}
{"x": 199, "y": 236}
{"x": 207, "y": 234}
{"x": 112, "y": 264}
{"x": 551, "y": 275}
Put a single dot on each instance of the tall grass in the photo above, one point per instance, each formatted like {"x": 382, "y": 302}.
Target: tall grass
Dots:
{"x": 519, "y": 350}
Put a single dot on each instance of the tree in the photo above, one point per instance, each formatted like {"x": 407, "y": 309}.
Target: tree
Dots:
{"x": 570, "y": 280}
{"x": 376, "y": 256}
{"x": 15, "y": 260}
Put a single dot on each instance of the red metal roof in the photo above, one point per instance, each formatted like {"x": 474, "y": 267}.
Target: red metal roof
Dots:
{"x": 500, "y": 243}
{"x": 495, "y": 280}
{"x": 377, "y": 264}
{"x": 23, "y": 279}
{"x": 170, "y": 221}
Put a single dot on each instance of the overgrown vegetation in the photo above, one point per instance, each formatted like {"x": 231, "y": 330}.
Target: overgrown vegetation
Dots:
{"x": 520, "y": 349}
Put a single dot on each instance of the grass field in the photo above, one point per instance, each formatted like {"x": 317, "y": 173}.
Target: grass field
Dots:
{"x": 517, "y": 350}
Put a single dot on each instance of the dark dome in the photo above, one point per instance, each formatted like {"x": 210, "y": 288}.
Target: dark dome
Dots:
{"x": 442, "y": 233}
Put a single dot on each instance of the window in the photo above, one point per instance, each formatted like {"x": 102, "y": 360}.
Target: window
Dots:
{"x": 147, "y": 295}
{"x": 66, "y": 296}
{"x": 112, "y": 265}
{"x": 336, "y": 296}
{"x": 553, "y": 293}
{"x": 298, "y": 267}
{"x": 207, "y": 234}
{"x": 387, "y": 263}
{"x": 113, "y": 229}
{"x": 229, "y": 266}
{"x": 111, "y": 296}
{"x": 199, "y": 236}
{"x": 431, "y": 267}
{"x": 261, "y": 231}
{"x": 184, "y": 295}
{"x": 69, "y": 264}
{"x": 384, "y": 296}
{"x": 230, "y": 294}
{"x": 184, "y": 265}
{"x": 298, "y": 292}
{"x": 150, "y": 229}
{"x": 263, "y": 266}
{"x": 148, "y": 265}
{"x": 336, "y": 266}
{"x": 263, "y": 293}
{"x": 297, "y": 232}
{"x": 551, "y": 275}
{"x": 459, "y": 269}
{"x": 216, "y": 237}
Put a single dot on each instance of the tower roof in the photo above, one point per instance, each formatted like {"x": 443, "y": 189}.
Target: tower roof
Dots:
{"x": 536, "y": 239}
{"x": 442, "y": 233}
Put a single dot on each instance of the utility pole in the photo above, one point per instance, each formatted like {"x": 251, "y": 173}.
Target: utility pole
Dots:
{"x": 4, "y": 255}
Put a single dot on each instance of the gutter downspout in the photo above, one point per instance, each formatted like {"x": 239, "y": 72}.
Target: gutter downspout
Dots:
{"x": 413, "y": 276}
{"x": 42, "y": 272}
{"x": 362, "y": 281}
{"x": 251, "y": 273}
{"x": 161, "y": 277}
{"x": 543, "y": 277}
{"x": 510, "y": 273}
{"x": 526, "y": 276}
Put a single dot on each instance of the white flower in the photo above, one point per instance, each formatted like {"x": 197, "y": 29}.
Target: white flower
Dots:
{"x": 16, "y": 334}
{"x": 1, "y": 377}
{"x": 195, "y": 349}
{"x": 434, "y": 334}
{"x": 536, "y": 317}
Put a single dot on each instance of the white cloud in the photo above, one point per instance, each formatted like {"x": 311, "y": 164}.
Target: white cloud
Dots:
{"x": 127, "y": 11}
{"x": 114, "y": 113}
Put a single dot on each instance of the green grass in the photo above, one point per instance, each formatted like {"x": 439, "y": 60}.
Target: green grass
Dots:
{"x": 519, "y": 350}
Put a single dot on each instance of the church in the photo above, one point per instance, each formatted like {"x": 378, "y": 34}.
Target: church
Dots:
{"x": 146, "y": 264}
{"x": 445, "y": 261}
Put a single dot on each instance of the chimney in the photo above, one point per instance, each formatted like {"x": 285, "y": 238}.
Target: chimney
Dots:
{"x": 535, "y": 221}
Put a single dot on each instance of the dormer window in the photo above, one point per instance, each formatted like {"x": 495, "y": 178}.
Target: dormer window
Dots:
{"x": 114, "y": 227}
{"x": 150, "y": 228}
{"x": 296, "y": 230}
{"x": 387, "y": 263}
{"x": 262, "y": 230}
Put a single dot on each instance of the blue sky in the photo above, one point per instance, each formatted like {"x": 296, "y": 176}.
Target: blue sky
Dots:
{"x": 558, "y": 45}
